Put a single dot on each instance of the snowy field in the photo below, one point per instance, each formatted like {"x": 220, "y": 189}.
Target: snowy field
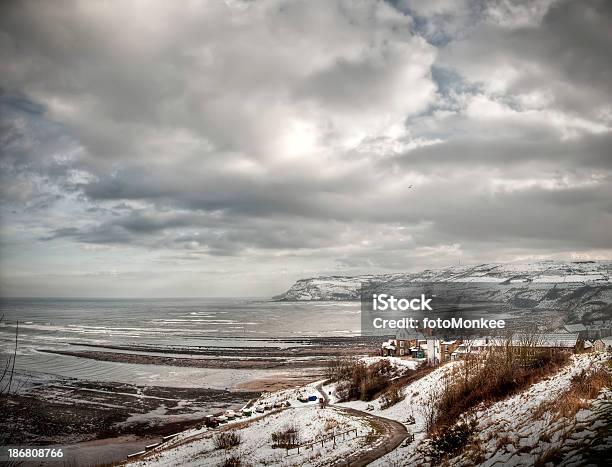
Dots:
{"x": 514, "y": 431}
{"x": 196, "y": 447}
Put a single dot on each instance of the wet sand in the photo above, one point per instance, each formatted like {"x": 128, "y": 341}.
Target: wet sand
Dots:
{"x": 276, "y": 383}
{"x": 226, "y": 362}
{"x": 73, "y": 411}
{"x": 287, "y": 348}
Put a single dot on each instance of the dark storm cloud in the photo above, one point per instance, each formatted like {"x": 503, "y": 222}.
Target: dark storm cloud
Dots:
{"x": 217, "y": 235}
{"x": 587, "y": 152}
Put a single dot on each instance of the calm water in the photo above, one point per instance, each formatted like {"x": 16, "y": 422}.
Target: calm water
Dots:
{"x": 59, "y": 324}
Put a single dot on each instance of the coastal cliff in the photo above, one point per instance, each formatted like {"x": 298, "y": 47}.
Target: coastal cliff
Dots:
{"x": 581, "y": 288}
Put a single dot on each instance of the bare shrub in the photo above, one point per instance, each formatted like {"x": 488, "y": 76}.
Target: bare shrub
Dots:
{"x": 358, "y": 381}
{"x": 340, "y": 368}
{"x": 287, "y": 437}
{"x": 330, "y": 425}
{"x": 429, "y": 408}
{"x": 227, "y": 440}
{"x": 392, "y": 396}
{"x": 9, "y": 430}
{"x": 234, "y": 460}
{"x": 449, "y": 441}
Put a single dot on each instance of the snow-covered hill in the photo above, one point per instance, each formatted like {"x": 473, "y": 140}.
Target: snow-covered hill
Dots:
{"x": 513, "y": 431}
{"x": 581, "y": 289}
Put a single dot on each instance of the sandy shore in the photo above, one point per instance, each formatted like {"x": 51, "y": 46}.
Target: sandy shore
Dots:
{"x": 276, "y": 383}
{"x": 305, "y": 347}
{"x": 226, "y": 362}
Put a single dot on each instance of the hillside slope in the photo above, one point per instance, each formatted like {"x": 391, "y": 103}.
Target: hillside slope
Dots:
{"x": 582, "y": 290}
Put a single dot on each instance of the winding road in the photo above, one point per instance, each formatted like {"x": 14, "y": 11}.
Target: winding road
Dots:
{"x": 393, "y": 433}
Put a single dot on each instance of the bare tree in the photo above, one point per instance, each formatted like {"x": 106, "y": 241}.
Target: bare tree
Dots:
{"x": 7, "y": 387}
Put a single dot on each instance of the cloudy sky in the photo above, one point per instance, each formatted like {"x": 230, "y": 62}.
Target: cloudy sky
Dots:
{"x": 210, "y": 148}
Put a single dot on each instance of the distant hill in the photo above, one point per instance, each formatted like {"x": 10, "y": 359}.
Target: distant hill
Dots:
{"x": 583, "y": 289}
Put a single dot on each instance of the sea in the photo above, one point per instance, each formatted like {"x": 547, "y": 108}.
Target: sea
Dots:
{"x": 75, "y": 324}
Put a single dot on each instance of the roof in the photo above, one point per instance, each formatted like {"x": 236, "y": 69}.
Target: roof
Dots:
{"x": 559, "y": 339}
{"x": 553, "y": 339}
{"x": 577, "y": 327}
{"x": 406, "y": 335}
{"x": 588, "y": 344}
{"x": 606, "y": 340}
{"x": 477, "y": 342}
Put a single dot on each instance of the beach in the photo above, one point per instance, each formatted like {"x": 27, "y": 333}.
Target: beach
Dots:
{"x": 107, "y": 377}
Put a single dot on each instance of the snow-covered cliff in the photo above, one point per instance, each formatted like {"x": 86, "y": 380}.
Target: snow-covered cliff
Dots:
{"x": 582, "y": 288}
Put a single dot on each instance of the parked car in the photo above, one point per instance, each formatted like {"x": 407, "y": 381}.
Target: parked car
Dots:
{"x": 259, "y": 409}
{"x": 211, "y": 422}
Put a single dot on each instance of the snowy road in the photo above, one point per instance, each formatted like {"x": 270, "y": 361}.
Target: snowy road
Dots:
{"x": 393, "y": 433}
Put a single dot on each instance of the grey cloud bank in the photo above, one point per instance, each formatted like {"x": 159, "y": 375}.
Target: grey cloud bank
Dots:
{"x": 230, "y": 148}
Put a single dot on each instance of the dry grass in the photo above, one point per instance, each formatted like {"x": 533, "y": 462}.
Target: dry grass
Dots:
{"x": 584, "y": 387}
{"x": 504, "y": 440}
{"x": 551, "y": 455}
{"x": 330, "y": 425}
{"x": 234, "y": 460}
{"x": 489, "y": 377}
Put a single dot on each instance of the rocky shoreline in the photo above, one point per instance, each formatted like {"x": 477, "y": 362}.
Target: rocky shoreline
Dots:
{"x": 67, "y": 411}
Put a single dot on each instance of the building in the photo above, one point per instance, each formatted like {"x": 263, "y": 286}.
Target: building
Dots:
{"x": 603, "y": 345}
{"x": 591, "y": 331}
{"x": 552, "y": 341}
{"x": 418, "y": 346}
{"x": 578, "y": 328}
{"x": 440, "y": 351}
{"x": 405, "y": 344}
{"x": 471, "y": 346}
